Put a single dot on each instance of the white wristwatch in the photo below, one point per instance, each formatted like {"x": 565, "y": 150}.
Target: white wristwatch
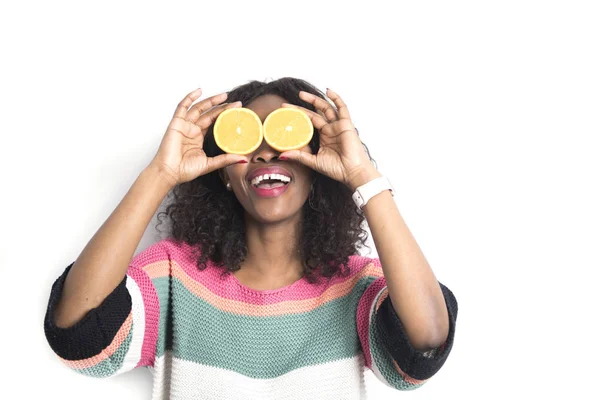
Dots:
{"x": 364, "y": 193}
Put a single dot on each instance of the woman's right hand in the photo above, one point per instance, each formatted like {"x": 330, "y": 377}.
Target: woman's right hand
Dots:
{"x": 180, "y": 157}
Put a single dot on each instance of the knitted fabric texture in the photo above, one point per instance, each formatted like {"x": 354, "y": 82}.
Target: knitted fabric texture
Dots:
{"x": 203, "y": 334}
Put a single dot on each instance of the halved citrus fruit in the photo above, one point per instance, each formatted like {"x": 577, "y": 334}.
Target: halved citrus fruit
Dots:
{"x": 238, "y": 131}
{"x": 287, "y": 129}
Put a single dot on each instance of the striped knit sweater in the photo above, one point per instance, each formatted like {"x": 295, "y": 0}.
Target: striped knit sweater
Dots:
{"x": 204, "y": 335}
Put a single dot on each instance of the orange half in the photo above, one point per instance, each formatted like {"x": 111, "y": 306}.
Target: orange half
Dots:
{"x": 238, "y": 131}
{"x": 287, "y": 129}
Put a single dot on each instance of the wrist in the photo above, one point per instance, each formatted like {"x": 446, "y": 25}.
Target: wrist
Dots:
{"x": 361, "y": 176}
{"x": 165, "y": 180}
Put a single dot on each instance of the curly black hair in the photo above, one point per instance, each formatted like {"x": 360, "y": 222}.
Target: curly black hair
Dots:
{"x": 210, "y": 218}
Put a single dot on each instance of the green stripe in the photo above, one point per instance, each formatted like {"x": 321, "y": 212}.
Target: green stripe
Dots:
{"x": 260, "y": 347}
{"x": 112, "y": 364}
{"x": 383, "y": 360}
{"x": 161, "y": 286}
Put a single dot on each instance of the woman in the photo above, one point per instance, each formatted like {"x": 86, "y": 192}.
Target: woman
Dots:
{"x": 258, "y": 291}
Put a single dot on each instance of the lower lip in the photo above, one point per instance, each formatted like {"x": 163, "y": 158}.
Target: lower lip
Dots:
{"x": 270, "y": 192}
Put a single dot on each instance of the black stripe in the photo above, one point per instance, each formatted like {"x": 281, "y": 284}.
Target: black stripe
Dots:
{"x": 95, "y": 331}
{"x": 415, "y": 363}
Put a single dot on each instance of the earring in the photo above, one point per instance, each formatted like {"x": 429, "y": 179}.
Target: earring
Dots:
{"x": 228, "y": 186}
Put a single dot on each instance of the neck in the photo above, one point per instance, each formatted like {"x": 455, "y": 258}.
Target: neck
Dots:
{"x": 273, "y": 250}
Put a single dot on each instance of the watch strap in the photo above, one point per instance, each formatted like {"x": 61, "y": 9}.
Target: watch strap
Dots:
{"x": 365, "y": 192}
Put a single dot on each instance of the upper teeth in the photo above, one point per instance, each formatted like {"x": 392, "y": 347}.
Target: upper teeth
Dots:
{"x": 278, "y": 177}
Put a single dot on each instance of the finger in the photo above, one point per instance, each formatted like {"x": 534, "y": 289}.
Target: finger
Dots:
{"x": 222, "y": 161}
{"x": 308, "y": 159}
{"x": 184, "y": 104}
{"x": 211, "y": 116}
{"x": 320, "y": 104}
{"x": 201, "y": 107}
{"x": 342, "y": 126}
{"x": 342, "y": 109}
{"x": 184, "y": 128}
{"x": 317, "y": 120}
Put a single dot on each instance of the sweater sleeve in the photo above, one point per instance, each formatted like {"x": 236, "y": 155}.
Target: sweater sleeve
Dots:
{"x": 121, "y": 333}
{"x": 386, "y": 347}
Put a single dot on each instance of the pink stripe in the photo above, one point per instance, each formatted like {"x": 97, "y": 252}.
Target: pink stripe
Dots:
{"x": 151, "y": 311}
{"x": 363, "y": 313}
{"x": 152, "y": 254}
{"x": 229, "y": 287}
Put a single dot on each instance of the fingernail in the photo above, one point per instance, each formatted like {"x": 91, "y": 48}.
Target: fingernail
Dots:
{"x": 243, "y": 162}
{"x": 282, "y": 158}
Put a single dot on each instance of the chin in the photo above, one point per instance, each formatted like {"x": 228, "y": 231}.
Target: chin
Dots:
{"x": 272, "y": 210}
{"x": 270, "y": 214}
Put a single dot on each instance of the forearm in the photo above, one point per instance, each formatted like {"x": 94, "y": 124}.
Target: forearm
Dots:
{"x": 412, "y": 286}
{"x": 103, "y": 262}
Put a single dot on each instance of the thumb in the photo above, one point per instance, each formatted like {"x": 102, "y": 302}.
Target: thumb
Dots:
{"x": 222, "y": 161}
{"x": 310, "y": 160}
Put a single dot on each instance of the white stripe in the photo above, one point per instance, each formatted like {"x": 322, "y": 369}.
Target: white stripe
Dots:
{"x": 374, "y": 368}
{"x": 178, "y": 379}
{"x": 139, "y": 325}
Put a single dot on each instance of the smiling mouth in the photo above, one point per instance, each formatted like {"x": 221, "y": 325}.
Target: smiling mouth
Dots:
{"x": 270, "y": 181}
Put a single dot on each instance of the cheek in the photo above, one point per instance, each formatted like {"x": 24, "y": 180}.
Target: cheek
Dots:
{"x": 236, "y": 172}
{"x": 305, "y": 175}
{"x": 305, "y": 180}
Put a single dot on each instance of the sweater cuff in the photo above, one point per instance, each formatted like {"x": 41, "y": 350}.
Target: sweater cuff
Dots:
{"x": 417, "y": 364}
{"x": 95, "y": 331}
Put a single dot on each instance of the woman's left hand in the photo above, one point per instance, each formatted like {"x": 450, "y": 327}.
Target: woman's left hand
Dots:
{"x": 341, "y": 155}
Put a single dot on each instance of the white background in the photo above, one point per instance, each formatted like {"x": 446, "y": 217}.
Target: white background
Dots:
{"x": 485, "y": 116}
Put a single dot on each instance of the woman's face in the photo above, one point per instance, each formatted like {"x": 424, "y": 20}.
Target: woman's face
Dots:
{"x": 277, "y": 197}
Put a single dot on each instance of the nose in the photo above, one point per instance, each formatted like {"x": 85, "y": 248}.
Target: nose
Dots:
{"x": 265, "y": 153}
